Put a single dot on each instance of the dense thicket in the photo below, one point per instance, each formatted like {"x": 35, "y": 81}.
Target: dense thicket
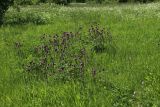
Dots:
{"x": 30, "y": 2}
{"x": 22, "y": 2}
{"x": 119, "y": 1}
{"x": 4, "y": 5}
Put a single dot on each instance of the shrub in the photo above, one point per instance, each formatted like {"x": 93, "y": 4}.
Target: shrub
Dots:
{"x": 56, "y": 56}
{"x": 66, "y": 57}
{"x": 63, "y": 2}
{"x": 101, "y": 40}
{"x": 81, "y": 1}
{"x": 120, "y": 1}
{"x": 4, "y": 5}
{"x": 27, "y": 2}
{"x": 97, "y": 36}
{"x": 26, "y": 17}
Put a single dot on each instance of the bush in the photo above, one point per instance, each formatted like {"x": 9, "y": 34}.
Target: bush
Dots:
{"x": 97, "y": 36}
{"x": 55, "y": 56}
{"x": 66, "y": 57}
{"x": 27, "y": 2}
{"x": 65, "y": 2}
{"x": 120, "y": 1}
{"x": 4, "y": 5}
{"x": 26, "y": 17}
{"x": 81, "y": 1}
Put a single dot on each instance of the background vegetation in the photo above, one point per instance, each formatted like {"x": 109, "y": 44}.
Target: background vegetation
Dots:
{"x": 81, "y": 1}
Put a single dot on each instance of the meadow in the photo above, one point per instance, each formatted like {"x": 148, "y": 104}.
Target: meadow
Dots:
{"x": 109, "y": 56}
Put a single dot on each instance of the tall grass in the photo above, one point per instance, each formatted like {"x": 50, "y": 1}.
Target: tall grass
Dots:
{"x": 130, "y": 77}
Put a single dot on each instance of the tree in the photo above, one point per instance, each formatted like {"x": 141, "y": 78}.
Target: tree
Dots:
{"x": 4, "y": 5}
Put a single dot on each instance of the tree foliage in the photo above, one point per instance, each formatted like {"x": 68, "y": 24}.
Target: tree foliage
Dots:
{"x": 65, "y": 2}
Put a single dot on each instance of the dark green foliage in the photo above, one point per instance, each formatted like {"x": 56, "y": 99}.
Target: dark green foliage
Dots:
{"x": 42, "y": 1}
{"x": 65, "y": 2}
{"x": 81, "y": 1}
{"x": 26, "y": 2}
{"x": 4, "y": 5}
{"x": 141, "y": 1}
{"x": 61, "y": 2}
{"x": 100, "y": 1}
{"x": 123, "y": 1}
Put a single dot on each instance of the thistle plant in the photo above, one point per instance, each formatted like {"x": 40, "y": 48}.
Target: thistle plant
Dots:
{"x": 97, "y": 36}
{"x": 65, "y": 56}
{"x": 57, "y": 56}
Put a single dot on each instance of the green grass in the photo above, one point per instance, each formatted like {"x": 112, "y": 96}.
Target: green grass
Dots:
{"x": 130, "y": 77}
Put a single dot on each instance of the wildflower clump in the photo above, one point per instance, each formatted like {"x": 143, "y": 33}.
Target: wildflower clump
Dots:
{"x": 66, "y": 56}
{"x": 56, "y": 56}
{"x": 97, "y": 36}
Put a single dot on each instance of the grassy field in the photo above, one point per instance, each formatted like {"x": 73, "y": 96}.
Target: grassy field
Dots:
{"x": 127, "y": 72}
